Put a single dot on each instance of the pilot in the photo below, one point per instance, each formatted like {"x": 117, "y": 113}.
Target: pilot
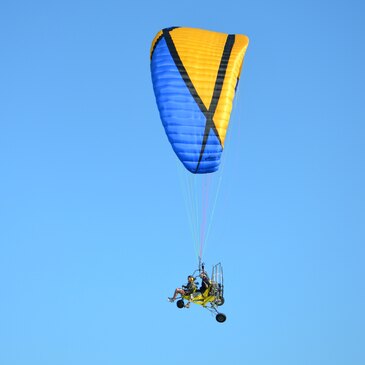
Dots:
{"x": 187, "y": 289}
{"x": 205, "y": 282}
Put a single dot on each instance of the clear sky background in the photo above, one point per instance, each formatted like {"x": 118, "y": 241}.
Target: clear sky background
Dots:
{"x": 93, "y": 231}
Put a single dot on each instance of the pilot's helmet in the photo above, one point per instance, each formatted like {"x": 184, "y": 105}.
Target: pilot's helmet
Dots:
{"x": 190, "y": 278}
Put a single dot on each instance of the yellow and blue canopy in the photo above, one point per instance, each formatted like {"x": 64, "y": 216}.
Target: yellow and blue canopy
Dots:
{"x": 195, "y": 74}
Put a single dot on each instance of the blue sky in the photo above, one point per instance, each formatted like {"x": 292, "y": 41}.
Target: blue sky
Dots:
{"x": 93, "y": 231}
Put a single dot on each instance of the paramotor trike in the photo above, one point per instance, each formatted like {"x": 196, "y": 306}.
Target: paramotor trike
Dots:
{"x": 211, "y": 297}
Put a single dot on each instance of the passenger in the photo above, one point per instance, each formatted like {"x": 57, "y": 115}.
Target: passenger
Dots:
{"x": 187, "y": 289}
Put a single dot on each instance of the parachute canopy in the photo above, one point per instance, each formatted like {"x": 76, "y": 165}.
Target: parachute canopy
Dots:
{"x": 195, "y": 74}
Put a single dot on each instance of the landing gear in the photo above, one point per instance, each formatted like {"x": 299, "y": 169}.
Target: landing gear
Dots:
{"x": 180, "y": 303}
{"x": 220, "y": 317}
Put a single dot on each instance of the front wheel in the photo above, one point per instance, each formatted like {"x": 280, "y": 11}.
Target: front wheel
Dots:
{"x": 180, "y": 303}
{"x": 220, "y": 317}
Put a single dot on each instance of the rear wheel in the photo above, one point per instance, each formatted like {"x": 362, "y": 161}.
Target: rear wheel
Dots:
{"x": 180, "y": 303}
{"x": 220, "y": 317}
{"x": 220, "y": 301}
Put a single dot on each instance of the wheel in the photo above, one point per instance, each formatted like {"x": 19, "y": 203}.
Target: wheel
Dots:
{"x": 220, "y": 302}
{"x": 220, "y": 317}
{"x": 180, "y": 303}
